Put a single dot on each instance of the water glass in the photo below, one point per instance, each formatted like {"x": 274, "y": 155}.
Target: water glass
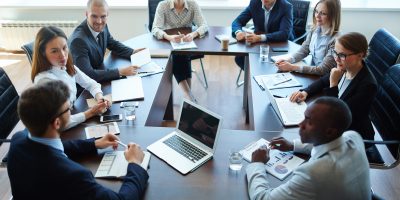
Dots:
{"x": 130, "y": 113}
{"x": 264, "y": 52}
{"x": 235, "y": 160}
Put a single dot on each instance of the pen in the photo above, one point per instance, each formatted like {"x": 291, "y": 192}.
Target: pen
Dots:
{"x": 287, "y": 80}
{"x": 122, "y": 144}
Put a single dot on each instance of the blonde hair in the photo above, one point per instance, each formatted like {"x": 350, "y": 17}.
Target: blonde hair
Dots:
{"x": 40, "y": 63}
{"x": 334, "y": 15}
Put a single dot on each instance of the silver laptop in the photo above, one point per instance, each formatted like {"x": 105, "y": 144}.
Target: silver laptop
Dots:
{"x": 194, "y": 140}
{"x": 290, "y": 113}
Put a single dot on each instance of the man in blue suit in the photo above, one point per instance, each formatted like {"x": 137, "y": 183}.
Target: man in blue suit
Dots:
{"x": 273, "y": 22}
{"x": 90, "y": 40}
{"x": 41, "y": 166}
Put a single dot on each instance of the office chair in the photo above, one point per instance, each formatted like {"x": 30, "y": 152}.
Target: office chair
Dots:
{"x": 384, "y": 49}
{"x": 300, "y": 15}
{"x": 152, "y": 5}
{"x": 28, "y": 49}
{"x": 8, "y": 107}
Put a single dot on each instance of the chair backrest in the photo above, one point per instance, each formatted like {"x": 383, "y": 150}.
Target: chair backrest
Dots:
{"x": 28, "y": 49}
{"x": 384, "y": 48}
{"x": 152, "y": 5}
{"x": 385, "y": 111}
{"x": 300, "y": 15}
{"x": 8, "y": 105}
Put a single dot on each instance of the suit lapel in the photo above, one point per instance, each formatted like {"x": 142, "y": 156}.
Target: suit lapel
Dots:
{"x": 354, "y": 83}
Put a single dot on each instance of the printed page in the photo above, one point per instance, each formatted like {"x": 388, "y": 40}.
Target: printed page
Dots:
{"x": 276, "y": 81}
{"x": 101, "y": 130}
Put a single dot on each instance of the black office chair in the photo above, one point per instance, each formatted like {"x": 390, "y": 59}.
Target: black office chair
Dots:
{"x": 152, "y": 5}
{"x": 28, "y": 49}
{"x": 8, "y": 107}
{"x": 384, "y": 49}
{"x": 300, "y": 15}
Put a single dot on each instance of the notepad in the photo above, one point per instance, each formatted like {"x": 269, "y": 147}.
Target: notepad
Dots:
{"x": 280, "y": 165}
{"x": 114, "y": 165}
{"x": 127, "y": 89}
{"x": 276, "y": 81}
{"x": 183, "y": 45}
{"x": 92, "y": 102}
{"x": 101, "y": 130}
{"x": 141, "y": 58}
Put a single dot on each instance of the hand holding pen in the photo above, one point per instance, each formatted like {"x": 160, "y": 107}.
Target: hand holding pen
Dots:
{"x": 281, "y": 144}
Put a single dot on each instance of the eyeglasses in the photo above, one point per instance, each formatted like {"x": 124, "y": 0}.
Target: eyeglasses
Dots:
{"x": 320, "y": 13}
{"x": 341, "y": 56}
{"x": 63, "y": 112}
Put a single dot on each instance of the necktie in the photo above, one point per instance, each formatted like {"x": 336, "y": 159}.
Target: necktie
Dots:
{"x": 100, "y": 40}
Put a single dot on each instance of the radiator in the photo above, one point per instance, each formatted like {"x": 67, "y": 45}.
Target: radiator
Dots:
{"x": 14, "y": 34}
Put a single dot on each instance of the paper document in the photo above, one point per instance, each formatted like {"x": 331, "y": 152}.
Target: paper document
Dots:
{"x": 114, "y": 165}
{"x": 231, "y": 39}
{"x": 287, "y": 57}
{"x": 149, "y": 69}
{"x": 127, "y": 89}
{"x": 184, "y": 45}
{"x": 276, "y": 81}
{"x": 280, "y": 165}
{"x": 141, "y": 58}
{"x": 101, "y": 130}
{"x": 92, "y": 102}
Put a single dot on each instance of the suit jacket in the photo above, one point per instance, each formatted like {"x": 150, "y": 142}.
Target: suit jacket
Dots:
{"x": 336, "y": 170}
{"x": 88, "y": 55}
{"x": 38, "y": 171}
{"x": 359, "y": 96}
{"x": 280, "y": 23}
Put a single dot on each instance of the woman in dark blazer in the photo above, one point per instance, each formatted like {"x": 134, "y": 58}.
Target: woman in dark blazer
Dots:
{"x": 350, "y": 81}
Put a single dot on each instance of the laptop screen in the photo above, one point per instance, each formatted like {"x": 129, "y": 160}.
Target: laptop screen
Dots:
{"x": 198, "y": 124}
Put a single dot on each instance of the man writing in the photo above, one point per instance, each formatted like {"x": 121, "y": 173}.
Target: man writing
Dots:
{"x": 90, "y": 40}
{"x": 41, "y": 166}
{"x": 272, "y": 18}
{"x": 338, "y": 167}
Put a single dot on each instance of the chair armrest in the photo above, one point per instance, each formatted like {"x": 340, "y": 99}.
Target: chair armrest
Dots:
{"x": 385, "y": 165}
{"x": 301, "y": 37}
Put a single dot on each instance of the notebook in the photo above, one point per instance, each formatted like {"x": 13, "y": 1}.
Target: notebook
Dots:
{"x": 183, "y": 45}
{"x": 127, "y": 89}
{"x": 193, "y": 142}
{"x": 290, "y": 113}
{"x": 114, "y": 165}
{"x": 280, "y": 164}
{"x": 276, "y": 81}
{"x": 231, "y": 39}
{"x": 142, "y": 59}
{"x": 101, "y": 130}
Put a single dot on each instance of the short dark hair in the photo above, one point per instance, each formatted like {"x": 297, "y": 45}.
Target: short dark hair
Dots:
{"x": 354, "y": 42}
{"x": 338, "y": 114}
{"x": 40, "y": 104}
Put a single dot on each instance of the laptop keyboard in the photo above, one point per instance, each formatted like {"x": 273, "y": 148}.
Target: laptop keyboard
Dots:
{"x": 185, "y": 148}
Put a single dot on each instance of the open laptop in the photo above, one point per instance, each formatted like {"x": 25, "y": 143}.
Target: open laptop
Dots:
{"x": 290, "y": 113}
{"x": 194, "y": 140}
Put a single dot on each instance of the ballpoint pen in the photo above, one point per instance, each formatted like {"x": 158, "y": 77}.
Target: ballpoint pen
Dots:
{"x": 122, "y": 144}
{"x": 287, "y": 80}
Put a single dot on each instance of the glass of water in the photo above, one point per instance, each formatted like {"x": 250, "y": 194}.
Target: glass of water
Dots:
{"x": 264, "y": 52}
{"x": 130, "y": 112}
{"x": 235, "y": 159}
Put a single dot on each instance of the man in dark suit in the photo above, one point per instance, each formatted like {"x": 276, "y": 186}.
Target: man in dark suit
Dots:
{"x": 89, "y": 41}
{"x": 273, "y": 22}
{"x": 41, "y": 166}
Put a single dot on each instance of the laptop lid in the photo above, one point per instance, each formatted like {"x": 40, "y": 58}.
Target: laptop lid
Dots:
{"x": 200, "y": 124}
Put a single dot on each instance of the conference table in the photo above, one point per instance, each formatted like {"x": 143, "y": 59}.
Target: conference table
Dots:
{"x": 213, "y": 180}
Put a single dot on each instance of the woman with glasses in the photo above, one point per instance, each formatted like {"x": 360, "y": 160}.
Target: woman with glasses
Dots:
{"x": 350, "y": 81}
{"x": 326, "y": 22}
{"x": 179, "y": 14}
{"x": 53, "y": 61}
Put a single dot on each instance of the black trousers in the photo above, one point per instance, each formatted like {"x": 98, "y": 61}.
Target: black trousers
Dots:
{"x": 181, "y": 67}
{"x": 239, "y": 60}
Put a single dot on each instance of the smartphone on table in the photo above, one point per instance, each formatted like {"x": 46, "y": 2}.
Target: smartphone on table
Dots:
{"x": 110, "y": 118}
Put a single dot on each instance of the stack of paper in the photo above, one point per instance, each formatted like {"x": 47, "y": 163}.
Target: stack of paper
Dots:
{"x": 184, "y": 45}
{"x": 114, "y": 165}
{"x": 280, "y": 164}
{"x": 101, "y": 130}
{"x": 142, "y": 59}
{"x": 276, "y": 81}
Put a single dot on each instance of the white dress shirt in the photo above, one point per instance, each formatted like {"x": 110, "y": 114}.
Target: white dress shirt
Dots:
{"x": 336, "y": 170}
{"x": 60, "y": 73}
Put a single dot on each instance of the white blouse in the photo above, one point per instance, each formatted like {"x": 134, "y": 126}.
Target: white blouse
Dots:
{"x": 57, "y": 73}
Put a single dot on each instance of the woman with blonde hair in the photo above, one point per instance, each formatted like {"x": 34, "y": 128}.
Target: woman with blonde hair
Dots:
{"x": 320, "y": 40}
{"x": 52, "y": 60}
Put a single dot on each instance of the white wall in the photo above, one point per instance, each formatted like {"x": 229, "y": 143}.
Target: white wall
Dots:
{"x": 127, "y": 23}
